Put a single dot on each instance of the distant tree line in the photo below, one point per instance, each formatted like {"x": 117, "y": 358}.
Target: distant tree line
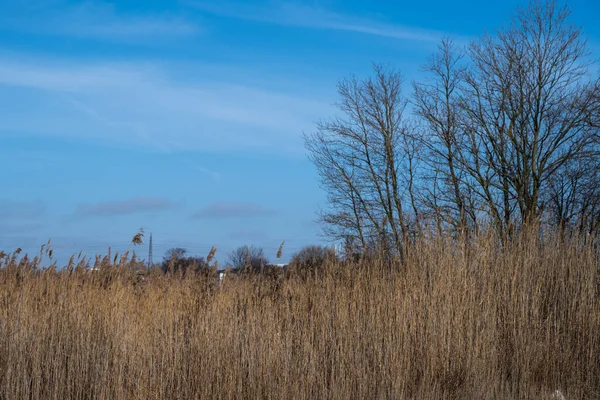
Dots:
{"x": 308, "y": 261}
{"x": 500, "y": 132}
{"x": 176, "y": 260}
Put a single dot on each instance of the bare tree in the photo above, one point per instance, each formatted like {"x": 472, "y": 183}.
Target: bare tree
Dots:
{"x": 504, "y": 131}
{"x": 436, "y": 104}
{"x": 527, "y": 104}
{"x": 175, "y": 261}
{"x": 311, "y": 259}
{"x": 366, "y": 163}
{"x": 573, "y": 197}
{"x": 174, "y": 253}
{"x": 248, "y": 257}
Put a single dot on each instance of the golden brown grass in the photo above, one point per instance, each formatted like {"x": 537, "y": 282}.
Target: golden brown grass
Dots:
{"x": 459, "y": 321}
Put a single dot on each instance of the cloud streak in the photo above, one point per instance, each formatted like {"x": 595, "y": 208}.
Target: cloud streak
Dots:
{"x": 141, "y": 104}
{"x": 124, "y": 207}
{"x": 300, "y": 15}
{"x": 93, "y": 20}
{"x": 12, "y": 210}
{"x": 143, "y": 135}
{"x": 231, "y": 209}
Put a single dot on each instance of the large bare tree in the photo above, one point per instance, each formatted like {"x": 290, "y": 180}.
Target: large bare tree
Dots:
{"x": 504, "y": 131}
{"x": 437, "y": 106}
{"x": 508, "y": 125}
{"x": 527, "y": 104}
{"x": 366, "y": 162}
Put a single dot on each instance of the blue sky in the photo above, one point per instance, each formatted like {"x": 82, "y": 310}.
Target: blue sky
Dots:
{"x": 186, "y": 117}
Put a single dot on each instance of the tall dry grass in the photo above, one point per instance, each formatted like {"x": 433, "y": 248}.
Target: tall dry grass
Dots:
{"x": 463, "y": 321}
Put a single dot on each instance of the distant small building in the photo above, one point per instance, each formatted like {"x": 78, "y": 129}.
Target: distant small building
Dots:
{"x": 221, "y": 274}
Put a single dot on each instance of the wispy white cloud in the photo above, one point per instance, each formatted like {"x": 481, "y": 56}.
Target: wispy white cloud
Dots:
{"x": 306, "y": 16}
{"x": 143, "y": 135}
{"x": 232, "y": 209}
{"x": 17, "y": 209}
{"x": 71, "y": 76}
{"x": 142, "y": 104}
{"x": 91, "y": 19}
{"x": 123, "y": 207}
{"x": 193, "y": 164}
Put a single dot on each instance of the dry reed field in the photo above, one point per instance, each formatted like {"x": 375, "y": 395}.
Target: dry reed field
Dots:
{"x": 457, "y": 320}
